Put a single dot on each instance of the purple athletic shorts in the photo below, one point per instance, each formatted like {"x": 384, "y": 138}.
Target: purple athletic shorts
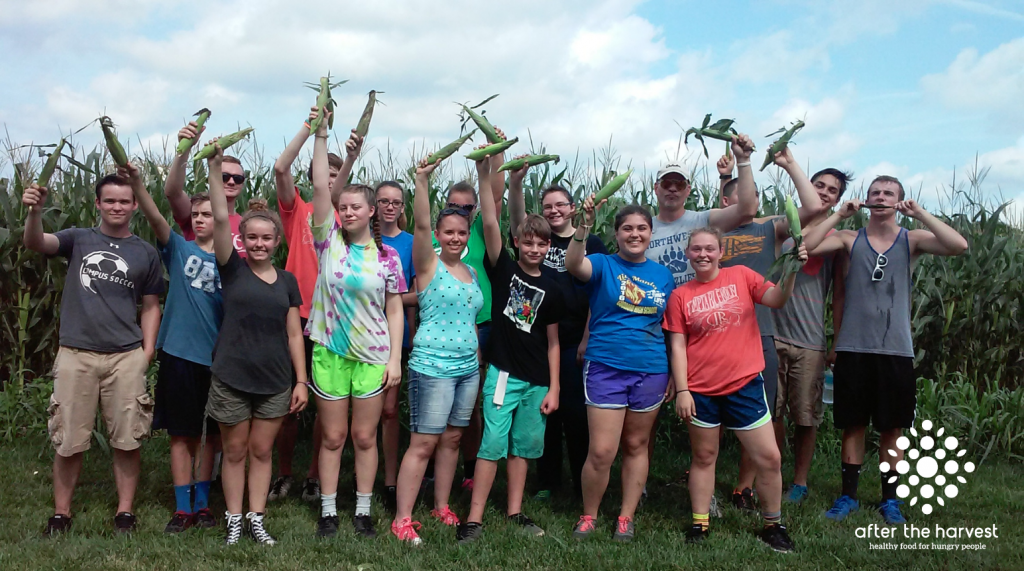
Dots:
{"x": 608, "y": 387}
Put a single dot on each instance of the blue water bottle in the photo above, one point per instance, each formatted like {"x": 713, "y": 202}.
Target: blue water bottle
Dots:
{"x": 826, "y": 395}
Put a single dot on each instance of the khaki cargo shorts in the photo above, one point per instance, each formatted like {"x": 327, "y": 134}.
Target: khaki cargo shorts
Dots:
{"x": 115, "y": 383}
{"x": 801, "y": 382}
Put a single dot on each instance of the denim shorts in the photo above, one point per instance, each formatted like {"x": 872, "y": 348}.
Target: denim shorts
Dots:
{"x": 435, "y": 403}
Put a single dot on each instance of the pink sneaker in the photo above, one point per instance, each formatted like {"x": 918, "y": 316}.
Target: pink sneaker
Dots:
{"x": 446, "y": 515}
{"x": 467, "y": 484}
{"x": 583, "y": 528}
{"x": 405, "y": 530}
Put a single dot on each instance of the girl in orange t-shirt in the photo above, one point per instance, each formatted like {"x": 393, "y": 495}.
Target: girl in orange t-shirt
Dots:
{"x": 716, "y": 361}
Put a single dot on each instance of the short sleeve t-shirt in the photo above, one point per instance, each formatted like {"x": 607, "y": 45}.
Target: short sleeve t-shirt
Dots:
{"x": 627, "y": 301}
{"x": 753, "y": 245}
{"x": 801, "y": 322}
{"x": 522, "y": 308}
{"x": 233, "y": 219}
{"x": 668, "y": 243}
{"x": 106, "y": 280}
{"x": 402, "y": 243}
{"x": 252, "y": 353}
{"x": 723, "y": 343}
{"x": 194, "y": 308}
{"x": 577, "y": 303}
{"x": 348, "y": 315}
{"x": 473, "y": 255}
{"x": 302, "y": 261}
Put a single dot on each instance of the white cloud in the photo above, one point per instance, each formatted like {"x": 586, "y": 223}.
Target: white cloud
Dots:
{"x": 992, "y": 83}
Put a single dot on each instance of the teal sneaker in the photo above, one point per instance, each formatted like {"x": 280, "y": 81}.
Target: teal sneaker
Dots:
{"x": 797, "y": 493}
{"x": 890, "y": 510}
{"x": 542, "y": 496}
{"x": 842, "y": 508}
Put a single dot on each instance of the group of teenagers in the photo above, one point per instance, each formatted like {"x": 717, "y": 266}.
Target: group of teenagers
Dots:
{"x": 508, "y": 343}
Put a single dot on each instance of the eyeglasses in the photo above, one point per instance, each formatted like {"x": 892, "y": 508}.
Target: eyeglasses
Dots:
{"x": 383, "y": 202}
{"x": 449, "y": 211}
{"x": 466, "y": 207}
{"x": 238, "y": 178}
{"x": 878, "y": 273}
{"x": 559, "y": 205}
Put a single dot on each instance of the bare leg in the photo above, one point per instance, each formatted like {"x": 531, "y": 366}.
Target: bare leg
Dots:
{"x": 764, "y": 454}
{"x": 126, "y": 477}
{"x": 780, "y": 434}
{"x": 853, "y": 445}
{"x": 483, "y": 479}
{"x": 285, "y": 443}
{"x": 389, "y": 438}
{"x": 65, "y": 477}
{"x": 636, "y": 437}
{"x": 235, "y": 440}
{"x": 333, "y": 419}
{"x": 314, "y": 459}
{"x": 365, "y": 418}
{"x": 605, "y": 433}
{"x": 445, "y": 463}
{"x": 410, "y": 475}
{"x": 803, "y": 444}
{"x": 887, "y": 442}
{"x": 704, "y": 454}
{"x": 182, "y": 451}
{"x": 204, "y": 458}
{"x": 517, "y": 468}
{"x": 261, "y": 456}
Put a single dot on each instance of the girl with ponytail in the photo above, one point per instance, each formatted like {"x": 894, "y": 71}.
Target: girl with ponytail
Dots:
{"x": 355, "y": 320}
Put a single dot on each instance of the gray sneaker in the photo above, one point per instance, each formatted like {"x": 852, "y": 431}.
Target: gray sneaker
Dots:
{"x": 311, "y": 490}
{"x": 280, "y": 488}
{"x": 527, "y": 524}
{"x": 468, "y": 532}
{"x": 716, "y": 510}
{"x": 624, "y": 530}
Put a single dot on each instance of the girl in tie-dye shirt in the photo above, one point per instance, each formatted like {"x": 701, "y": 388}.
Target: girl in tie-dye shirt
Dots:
{"x": 356, "y": 320}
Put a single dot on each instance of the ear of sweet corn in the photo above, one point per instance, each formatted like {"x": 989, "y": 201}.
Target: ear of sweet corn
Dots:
{"x": 781, "y": 143}
{"x": 516, "y": 164}
{"x": 491, "y": 150}
{"x": 793, "y": 215}
{"x": 612, "y": 187}
{"x": 445, "y": 151}
{"x": 224, "y": 142}
{"x": 51, "y": 165}
{"x": 113, "y": 145}
{"x": 364, "y": 121}
{"x": 485, "y": 126}
{"x": 185, "y": 144}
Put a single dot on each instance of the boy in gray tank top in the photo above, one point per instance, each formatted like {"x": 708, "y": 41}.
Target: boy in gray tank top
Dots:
{"x": 755, "y": 244}
{"x": 874, "y": 376}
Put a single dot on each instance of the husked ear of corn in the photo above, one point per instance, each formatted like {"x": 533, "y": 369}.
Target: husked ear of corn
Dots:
{"x": 185, "y": 144}
{"x": 780, "y": 144}
{"x": 485, "y": 126}
{"x": 491, "y": 150}
{"x": 113, "y": 145}
{"x": 364, "y": 121}
{"x": 224, "y": 142}
{"x": 793, "y": 215}
{"x": 445, "y": 151}
{"x": 606, "y": 192}
{"x": 516, "y": 164}
{"x": 51, "y": 165}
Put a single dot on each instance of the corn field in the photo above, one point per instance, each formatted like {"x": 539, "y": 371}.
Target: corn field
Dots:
{"x": 966, "y": 309}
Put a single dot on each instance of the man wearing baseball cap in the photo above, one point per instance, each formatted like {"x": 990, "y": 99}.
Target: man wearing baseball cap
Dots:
{"x": 673, "y": 224}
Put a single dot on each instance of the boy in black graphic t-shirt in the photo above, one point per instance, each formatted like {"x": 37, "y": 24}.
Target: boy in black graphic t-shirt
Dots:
{"x": 523, "y": 380}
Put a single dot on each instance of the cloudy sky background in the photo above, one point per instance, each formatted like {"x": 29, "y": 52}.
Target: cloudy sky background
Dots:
{"x": 913, "y": 88}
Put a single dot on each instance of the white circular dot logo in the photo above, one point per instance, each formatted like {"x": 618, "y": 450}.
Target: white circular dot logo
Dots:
{"x": 932, "y": 478}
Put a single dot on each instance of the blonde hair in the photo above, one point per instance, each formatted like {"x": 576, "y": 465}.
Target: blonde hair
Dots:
{"x": 258, "y": 209}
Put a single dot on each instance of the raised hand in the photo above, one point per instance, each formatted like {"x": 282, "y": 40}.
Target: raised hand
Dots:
{"x": 218, "y": 153}
{"x": 590, "y": 209}
{"x": 353, "y": 145}
{"x": 518, "y": 175}
{"x": 784, "y": 158}
{"x": 423, "y": 168}
{"x": 130, "y": 172}
{"x": 725, "y": 165}
{"x": 849, "y": 208}
{"x": 910, "y": 208}
{"x": 742, "y": 147}
{"x": 34, "y": 196}
{"x": 190, "y": 131}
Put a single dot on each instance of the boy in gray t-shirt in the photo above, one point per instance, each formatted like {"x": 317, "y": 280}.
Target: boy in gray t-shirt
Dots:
{"x": 104, "y": 349}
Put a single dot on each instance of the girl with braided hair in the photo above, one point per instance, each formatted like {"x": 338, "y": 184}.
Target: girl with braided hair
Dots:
{"x": 356, "y": 320}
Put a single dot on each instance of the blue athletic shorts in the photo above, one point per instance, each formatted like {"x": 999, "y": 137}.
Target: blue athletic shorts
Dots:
{"x": 745, "y": 409}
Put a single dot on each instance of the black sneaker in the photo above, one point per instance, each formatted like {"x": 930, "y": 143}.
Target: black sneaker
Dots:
{"x": 391, "y": 498}
{"x": 776, "y": 537}
{"x": 233, "y": 524}
{"x": 57, "y": 524}
{"x": 311, "y": 490}
{"x": 124, "y": 522}
{"x": 468, "y": 532}
{"x": 744, "y": 500}
{"x": 180, "y": 521}
{"x": 204, "y": 519}
{"x": 280, "y": 488}
{"x": 527, "y": 524}
{"x": 697, "y": 534}
{"x": 327, "y": 526}
{"x": 363, "y": 525}
{"x": 256, "y": 530}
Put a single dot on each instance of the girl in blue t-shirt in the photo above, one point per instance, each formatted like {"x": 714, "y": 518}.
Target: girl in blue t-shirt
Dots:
{"x": 623, "y": 389}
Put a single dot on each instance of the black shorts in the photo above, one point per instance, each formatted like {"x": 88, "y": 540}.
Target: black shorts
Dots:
{"x": 182, "y": 388}
{"x": 874, "y": 389}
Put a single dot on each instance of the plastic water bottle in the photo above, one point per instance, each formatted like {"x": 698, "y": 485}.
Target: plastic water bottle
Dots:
{"x": 826, "y": 395}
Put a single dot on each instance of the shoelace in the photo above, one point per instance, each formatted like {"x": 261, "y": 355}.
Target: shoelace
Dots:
{"x": 234, "y": 527}
{"x": 256, "y": 526}
{"x": 624, "y": 524}
{"x": 447, "y": 516}
{"x": 407, "y": 529}
{"x": 840, "y": 505}
{"x": 891, "y": 508}
{"x": 586, "y": 523}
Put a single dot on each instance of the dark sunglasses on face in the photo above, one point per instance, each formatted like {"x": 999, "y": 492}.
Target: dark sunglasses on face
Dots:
{"x": 382, "y": 202}
{"x": 238, "y": 178}
{"x": 466, "y": 207}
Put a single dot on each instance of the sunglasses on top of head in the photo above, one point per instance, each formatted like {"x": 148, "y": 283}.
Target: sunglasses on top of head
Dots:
{"x": 238, "y": 178}
{"x": 456, "y": 206}
{"x": 450, "y": 211}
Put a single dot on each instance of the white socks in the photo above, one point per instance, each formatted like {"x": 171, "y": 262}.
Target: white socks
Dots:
{"x": 363, "y": 504}
{"x": 328, "y": 505}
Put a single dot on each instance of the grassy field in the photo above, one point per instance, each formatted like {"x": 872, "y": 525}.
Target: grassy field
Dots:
{"x": 991, "y": 497}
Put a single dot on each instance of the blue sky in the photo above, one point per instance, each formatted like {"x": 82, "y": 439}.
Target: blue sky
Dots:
{"x": 913, "y": 88}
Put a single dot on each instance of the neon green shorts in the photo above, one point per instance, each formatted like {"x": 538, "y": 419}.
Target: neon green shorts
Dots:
{"x": 336, "y": 378}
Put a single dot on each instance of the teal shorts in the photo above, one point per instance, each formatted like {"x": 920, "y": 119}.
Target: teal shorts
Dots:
{"x": 517, "y": 419}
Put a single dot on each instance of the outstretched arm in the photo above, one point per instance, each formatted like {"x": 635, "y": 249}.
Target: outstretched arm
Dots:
{"x": 725, "y": 166}
{"x": 817, "y": 238}
{"x": 778, "y": 294}
{"x": 576, "y": 262}
{"x": 489, "y": 211}
{"x": 323, "y": 207}
{"x": 283, "y": 179}
{"x": 174, "y": 186}
{"x": 810, "y": 202}
{"x": 940, "y": 238}
{"x": 161, "y": 228}
{"x": 424, "y": 259}
{"x": 516, "y": 199}
{"x": 726, "y": 219}
{"x": 223, "y": 245}
{"x": 34, "y": 238}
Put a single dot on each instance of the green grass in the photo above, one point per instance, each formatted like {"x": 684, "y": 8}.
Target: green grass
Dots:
{"x": 991, "y": 496}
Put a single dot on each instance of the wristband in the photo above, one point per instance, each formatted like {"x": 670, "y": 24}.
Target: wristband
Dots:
{"x": 306, "y": 124}
{"x": 575, "y": 239}
{"x": 302, "y": 383}
{"x": 682, "y": 391}
{"x": 746, "y": 164}
{"x": 725, "y": 176}
{"x": 326, "y": 137}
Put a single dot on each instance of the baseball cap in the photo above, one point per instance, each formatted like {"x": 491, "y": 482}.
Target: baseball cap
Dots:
{"x": 672, "y": 169}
